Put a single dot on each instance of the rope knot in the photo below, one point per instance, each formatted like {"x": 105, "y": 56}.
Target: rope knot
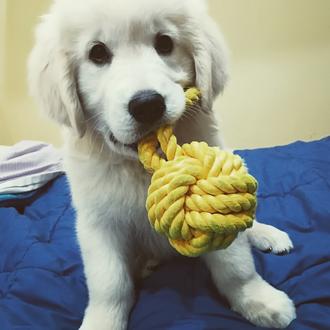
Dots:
{"x": 200, "y": 197}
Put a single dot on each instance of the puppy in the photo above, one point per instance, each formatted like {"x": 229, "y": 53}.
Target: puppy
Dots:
{"x": 110, "y": 72}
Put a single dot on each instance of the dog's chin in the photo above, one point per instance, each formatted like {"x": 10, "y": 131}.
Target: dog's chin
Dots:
{"x": 130, "y": 150}
{"x": 126, "y": 150}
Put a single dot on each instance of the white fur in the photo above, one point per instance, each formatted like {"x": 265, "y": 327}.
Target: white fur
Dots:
{"x": 108, "y": 184}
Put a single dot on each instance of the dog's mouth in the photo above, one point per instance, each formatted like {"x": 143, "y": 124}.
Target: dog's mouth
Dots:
{"x": 132, "y": 146}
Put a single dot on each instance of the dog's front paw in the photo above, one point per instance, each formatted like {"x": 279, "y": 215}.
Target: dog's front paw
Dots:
{"x": 270, "y": 239}
{"x": 265, "y": 306}
{"x": 102, "y": 318}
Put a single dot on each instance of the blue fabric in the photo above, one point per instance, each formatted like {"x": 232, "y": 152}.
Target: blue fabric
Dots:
{"x": 4, "y": 198}
{"x": 41, "y": 276}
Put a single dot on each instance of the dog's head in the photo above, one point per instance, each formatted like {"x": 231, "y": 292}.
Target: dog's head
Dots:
{"x": 121, "y": 66}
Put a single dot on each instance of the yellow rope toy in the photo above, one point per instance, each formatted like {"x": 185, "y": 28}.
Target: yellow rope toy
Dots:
{"x": 200, "y": 197}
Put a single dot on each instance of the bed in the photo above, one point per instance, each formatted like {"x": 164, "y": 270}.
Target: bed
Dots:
{"x": 42, "y": 285}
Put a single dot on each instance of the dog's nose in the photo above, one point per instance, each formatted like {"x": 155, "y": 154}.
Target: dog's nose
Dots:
{"x": 147, "y": 106}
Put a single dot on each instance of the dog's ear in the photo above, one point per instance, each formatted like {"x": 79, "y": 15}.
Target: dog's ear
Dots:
{"x": 52, "y": 79}
{"x": 211, "y": 61}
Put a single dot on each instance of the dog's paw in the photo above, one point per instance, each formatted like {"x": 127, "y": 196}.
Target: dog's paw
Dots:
{"x": 270, "y": 239}
{"x": 266, "y": 307}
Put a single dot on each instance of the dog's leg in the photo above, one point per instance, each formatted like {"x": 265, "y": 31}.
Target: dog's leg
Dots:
{"x": 269, "y": 239}
{"x": 108, "y": 278}
{"x": 235, "y": 276}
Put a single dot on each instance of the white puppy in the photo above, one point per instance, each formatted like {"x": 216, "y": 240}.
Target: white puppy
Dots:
{"x": 111, "y": 71}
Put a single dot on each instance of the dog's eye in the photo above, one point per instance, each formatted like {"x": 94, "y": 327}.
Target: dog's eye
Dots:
{"x": 100, "y": 54}
{"x": 164, "y": 44}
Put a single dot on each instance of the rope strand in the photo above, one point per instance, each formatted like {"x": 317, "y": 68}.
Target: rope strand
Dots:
{"x": 200, "y": 197}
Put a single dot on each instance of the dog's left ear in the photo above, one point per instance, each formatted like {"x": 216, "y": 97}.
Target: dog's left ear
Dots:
{"x": 211, "y": 61}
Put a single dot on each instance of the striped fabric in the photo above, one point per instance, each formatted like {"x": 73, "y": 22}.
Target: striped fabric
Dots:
{"x": 28, "y": 165}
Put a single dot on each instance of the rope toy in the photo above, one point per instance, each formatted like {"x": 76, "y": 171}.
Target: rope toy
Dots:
{"x": 200, "y": 197}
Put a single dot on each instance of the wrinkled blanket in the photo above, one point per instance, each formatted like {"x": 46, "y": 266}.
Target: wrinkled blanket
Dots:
{"x": 42, "y": 285}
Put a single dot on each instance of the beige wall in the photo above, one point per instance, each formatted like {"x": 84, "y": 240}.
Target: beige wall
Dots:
{"x": 2, "y": 60}
{"x": 280, "y": 71}
{"x": 19, "y": 118}
{"x": 280, "y": 78}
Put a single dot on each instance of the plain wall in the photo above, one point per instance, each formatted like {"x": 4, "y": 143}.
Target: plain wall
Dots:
{"x": 19, "y": 117}
{"x": 2, "y": 64}
{"x": 279, "y": 89}
{"x": 280, "y": 71}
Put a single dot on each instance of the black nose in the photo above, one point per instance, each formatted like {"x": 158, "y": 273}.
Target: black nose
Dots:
{"x": 147, "y": 107}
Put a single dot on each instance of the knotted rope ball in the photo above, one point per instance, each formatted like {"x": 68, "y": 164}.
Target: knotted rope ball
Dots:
{"x": 200, "y": 197}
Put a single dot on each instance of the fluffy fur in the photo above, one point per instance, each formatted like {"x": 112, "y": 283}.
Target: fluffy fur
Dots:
{"x": 108, "y": 184}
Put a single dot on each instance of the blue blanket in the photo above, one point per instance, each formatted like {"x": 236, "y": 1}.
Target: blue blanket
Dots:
{"x": 41, "y": 275}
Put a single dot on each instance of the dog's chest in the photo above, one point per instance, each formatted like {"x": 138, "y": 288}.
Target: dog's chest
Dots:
{"x": 112, "y": 191}
{"x": 128, "y": 185}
